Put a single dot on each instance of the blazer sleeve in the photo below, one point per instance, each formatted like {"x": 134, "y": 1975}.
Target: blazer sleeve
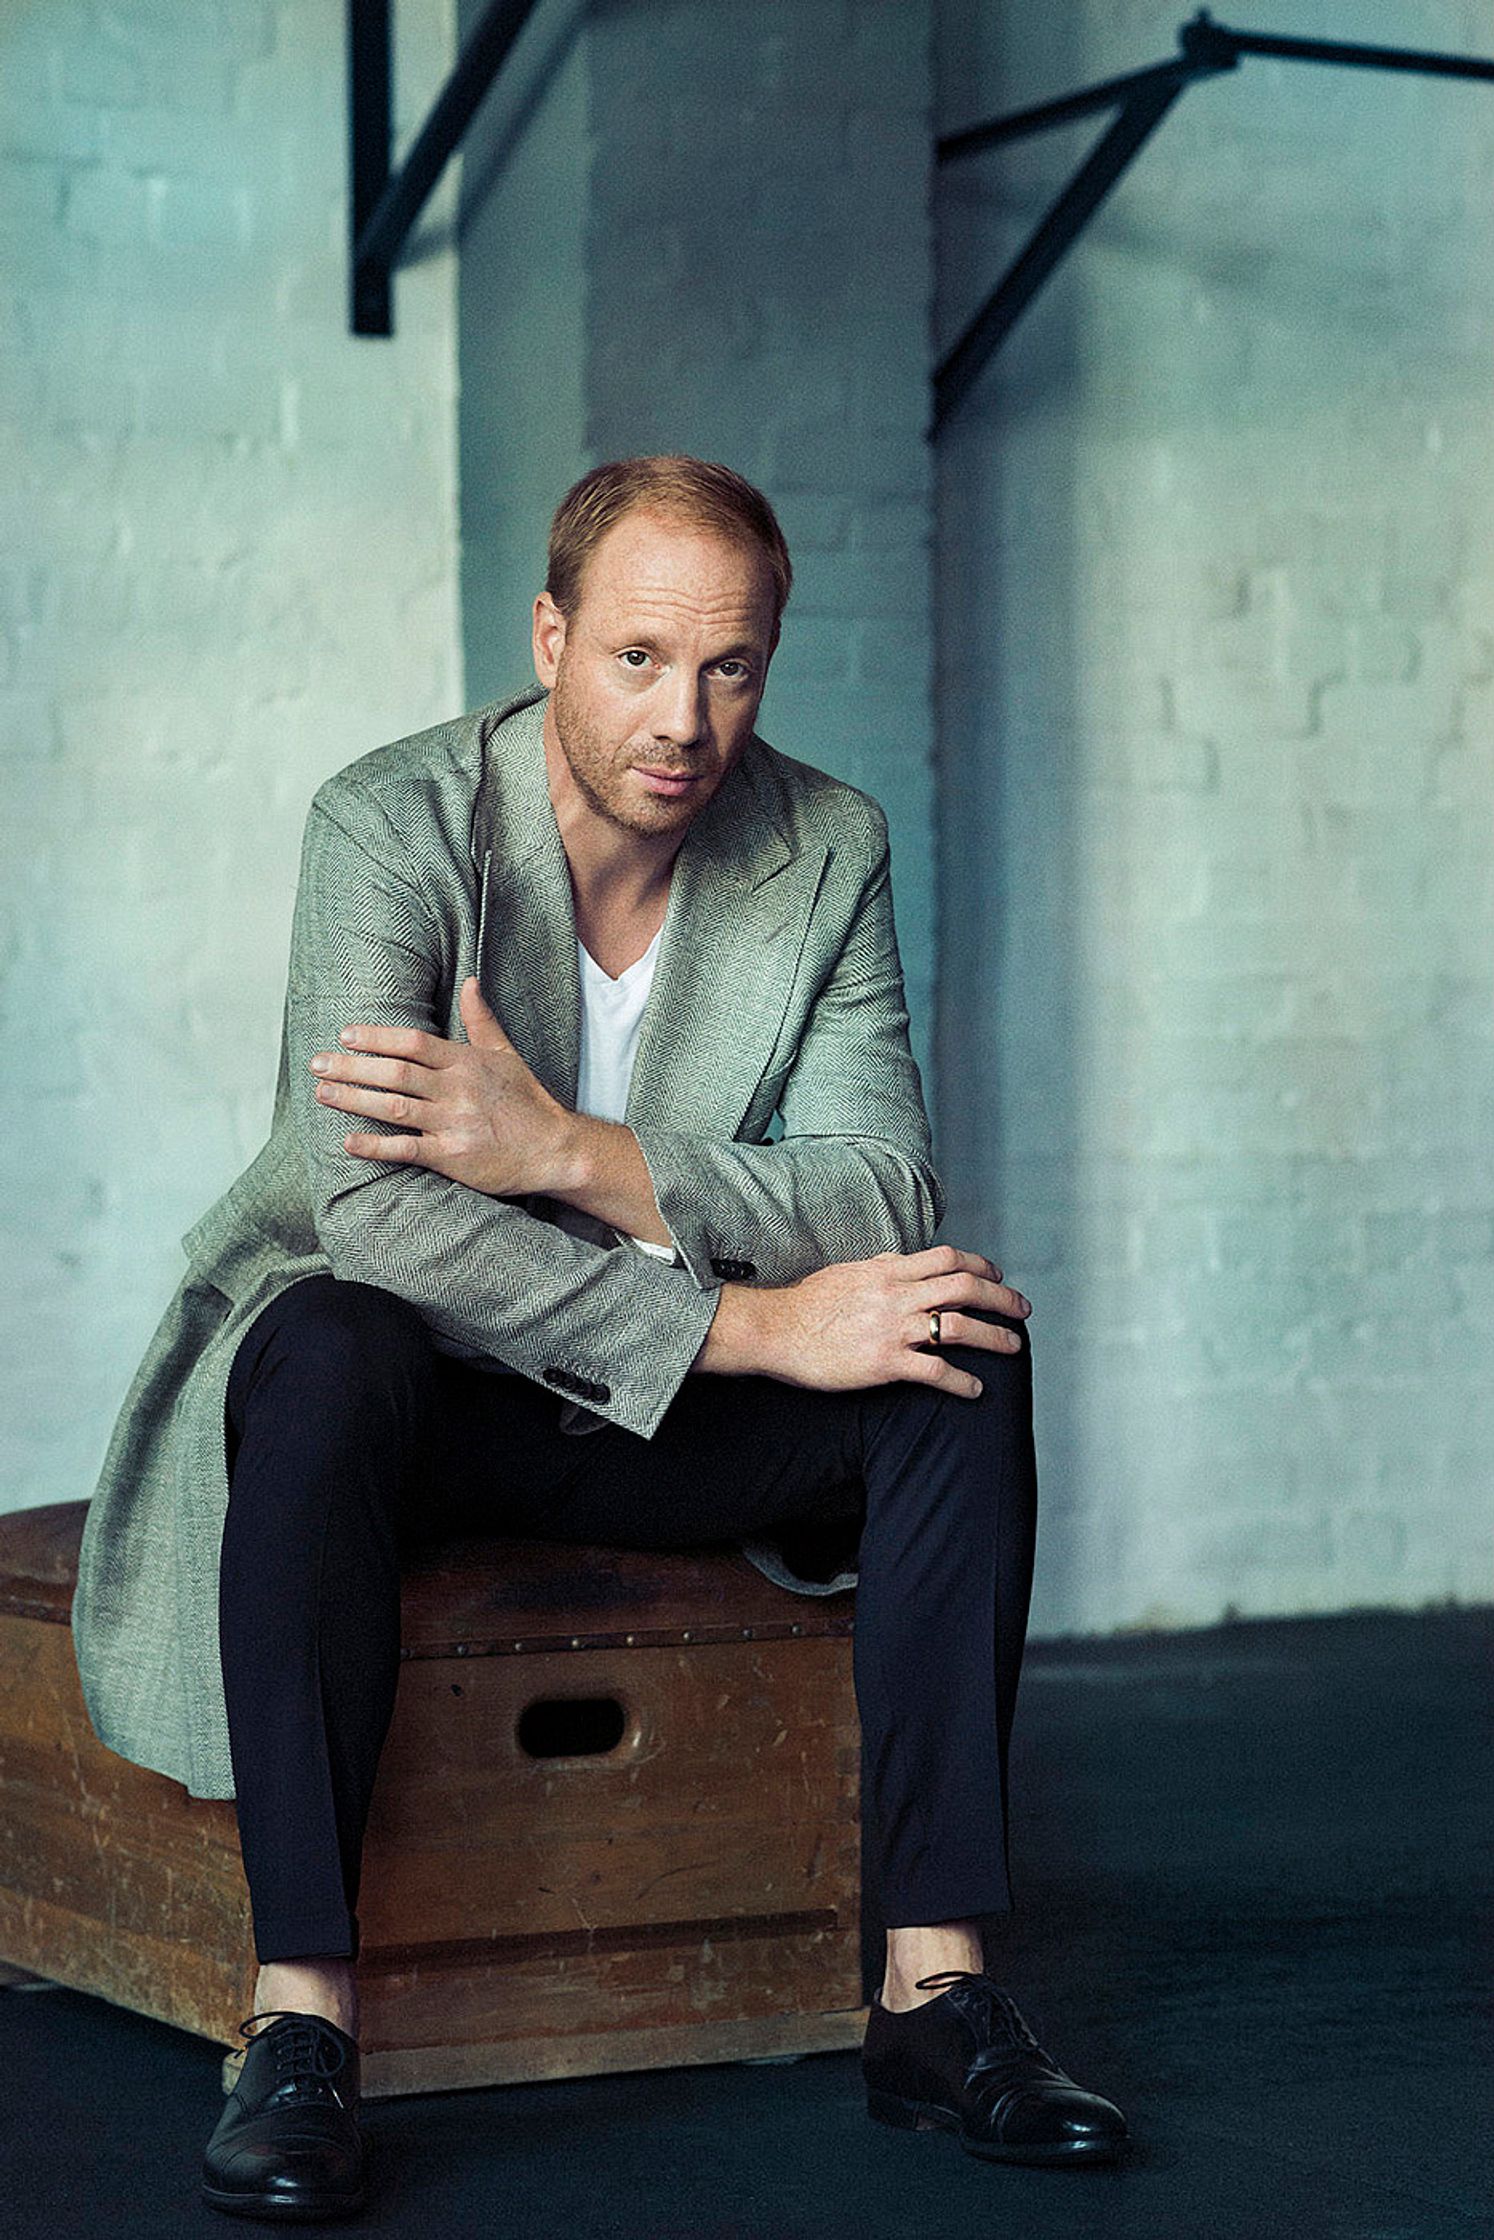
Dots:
{"x": 851, "y": 1174}
{"x": 609, "y": 1328}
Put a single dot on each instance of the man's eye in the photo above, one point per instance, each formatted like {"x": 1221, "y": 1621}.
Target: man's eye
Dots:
{"x": 635, "y": 657}
{"x": 732, "y": 669}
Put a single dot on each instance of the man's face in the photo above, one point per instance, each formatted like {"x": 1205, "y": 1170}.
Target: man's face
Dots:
{"x": 656, "y": 675}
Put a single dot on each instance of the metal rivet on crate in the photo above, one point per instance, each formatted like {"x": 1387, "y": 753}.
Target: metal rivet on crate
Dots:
{"x": 518, "y": 1646}
{"x": 575, "y": 1640}
{"x": 796, "y": 1629}
{"x": 629, "y": 1639}
{"x": 687, "y": 1636}
{"x": 461, "y": 1648}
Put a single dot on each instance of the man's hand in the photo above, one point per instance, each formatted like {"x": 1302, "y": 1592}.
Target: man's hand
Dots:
{"x": 474, "y": 1110}
{"x": 866, "y": 1322}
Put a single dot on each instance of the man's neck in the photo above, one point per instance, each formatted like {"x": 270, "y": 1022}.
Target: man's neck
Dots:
{"x": 619, "y": 879}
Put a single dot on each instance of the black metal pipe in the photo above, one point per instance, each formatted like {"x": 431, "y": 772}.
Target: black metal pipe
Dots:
{"x": 380, "y": 240}
{"x": 1110, "y": 93}
{"x": 1357, "y": 57}
{"x": 1206, "y": 47}
{"x": 369, "y": 84}
{"x": 1138, "y": 120}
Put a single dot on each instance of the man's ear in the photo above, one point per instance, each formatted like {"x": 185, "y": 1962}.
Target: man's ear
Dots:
{"x": 549, "y": 639}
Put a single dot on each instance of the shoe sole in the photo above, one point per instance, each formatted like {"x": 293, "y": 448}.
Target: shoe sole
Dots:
{"x": 270, "y": 2208}
{"x": 926, "y": 2115}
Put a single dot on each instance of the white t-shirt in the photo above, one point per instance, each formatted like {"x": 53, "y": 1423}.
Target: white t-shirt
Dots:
{"x": 611, "y": 1024}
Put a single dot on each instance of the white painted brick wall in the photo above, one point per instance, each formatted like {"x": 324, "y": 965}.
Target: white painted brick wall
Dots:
{"x": 227, "y": 566}
{"x": 1217, "y": 761}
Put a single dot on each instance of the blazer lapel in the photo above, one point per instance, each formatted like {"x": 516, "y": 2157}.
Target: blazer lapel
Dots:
{"x": 526, "y": 944}
{"x": 739, "y": 909}
{"x": 740, "y": 901}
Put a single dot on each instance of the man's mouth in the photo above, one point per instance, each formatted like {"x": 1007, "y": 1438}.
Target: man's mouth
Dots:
{"x": 670, "y": 783}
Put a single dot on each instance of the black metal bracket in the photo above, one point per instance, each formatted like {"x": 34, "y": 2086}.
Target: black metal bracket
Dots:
{"x": 382, "y": 209}
{"x": 1143, "y": 98}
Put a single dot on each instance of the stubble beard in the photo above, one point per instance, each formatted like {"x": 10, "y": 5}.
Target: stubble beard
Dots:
{"x": 590, "y": 762}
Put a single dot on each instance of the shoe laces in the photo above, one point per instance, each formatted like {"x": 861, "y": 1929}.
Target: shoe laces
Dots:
{"x": 1001, "y": 2000}
{"x": 305, "y": 2051}
{"x": 1010, "y": 2056}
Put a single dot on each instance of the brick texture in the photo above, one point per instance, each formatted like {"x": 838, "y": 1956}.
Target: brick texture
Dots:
{"x": 227, "y": 565}
{"x": 745, "y": 272}
{"x": 1215, "y": 759}
{"x": 1217, "y": 842}
{"x": 760, "y": 291}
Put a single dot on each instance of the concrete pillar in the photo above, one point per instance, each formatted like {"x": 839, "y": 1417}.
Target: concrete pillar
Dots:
{"x": 705, "y": 228}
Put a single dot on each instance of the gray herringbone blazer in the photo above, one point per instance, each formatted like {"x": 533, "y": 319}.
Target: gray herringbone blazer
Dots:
{"x": 777, "y": 989}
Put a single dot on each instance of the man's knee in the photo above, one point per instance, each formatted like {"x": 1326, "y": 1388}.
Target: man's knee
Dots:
{"x": 1004, "y": 1374}
{"x": 361, "y": 1318}
{"x": 336, "y": 1371}
{"x": 342, "y": 1336}
{"x": 1000, "y": 1414}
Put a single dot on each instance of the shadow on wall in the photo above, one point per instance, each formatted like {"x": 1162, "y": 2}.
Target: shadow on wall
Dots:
{"x": 1007, "y": 1030}
{"x": 518, "y": 97}
{"x": 521, "y": 232}
{"x": 1216, "y": 1070}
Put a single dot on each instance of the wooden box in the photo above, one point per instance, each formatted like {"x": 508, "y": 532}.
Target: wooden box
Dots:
{"x": 616, "y": 1824}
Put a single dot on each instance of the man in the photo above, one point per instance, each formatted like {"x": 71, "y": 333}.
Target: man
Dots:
{"x": 558, "y": 972}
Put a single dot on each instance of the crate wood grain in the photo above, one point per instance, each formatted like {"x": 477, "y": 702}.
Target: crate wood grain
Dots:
{"x": 679, "y": 1883}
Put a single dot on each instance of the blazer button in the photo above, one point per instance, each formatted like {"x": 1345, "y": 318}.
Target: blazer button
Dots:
{"x": 601, "y": 1392}
{"x": 561, "y": 1378}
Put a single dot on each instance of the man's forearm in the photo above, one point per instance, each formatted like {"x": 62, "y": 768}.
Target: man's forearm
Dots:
{"x": 602, "y": 1172}
{"x": 867, "y": 1322}
{"x": 743, "y": 1340}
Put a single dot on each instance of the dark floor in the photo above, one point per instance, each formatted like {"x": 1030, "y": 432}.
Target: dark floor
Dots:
{"x": 1251, "y": 1868}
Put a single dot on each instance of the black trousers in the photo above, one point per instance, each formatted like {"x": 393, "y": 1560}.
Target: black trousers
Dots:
{"x": 350, "y": 1437}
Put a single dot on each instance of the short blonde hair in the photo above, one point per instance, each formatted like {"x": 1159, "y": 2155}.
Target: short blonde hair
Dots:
{"x": 699, "y": 491}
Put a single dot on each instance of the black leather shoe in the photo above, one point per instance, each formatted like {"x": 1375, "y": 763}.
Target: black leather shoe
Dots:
{"x": 967, "y": 2062}
{"x": 287, "y": 2144}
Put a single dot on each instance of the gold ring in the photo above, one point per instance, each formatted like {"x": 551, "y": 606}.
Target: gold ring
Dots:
{"x": 933, "y": 1326}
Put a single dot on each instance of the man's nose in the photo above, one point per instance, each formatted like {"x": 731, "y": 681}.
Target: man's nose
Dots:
{"x": 679, "y": 712}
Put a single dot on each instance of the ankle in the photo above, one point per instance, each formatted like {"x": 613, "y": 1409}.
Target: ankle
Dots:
{"x": 915, "y": 1953}
{"x": 328, "y": 1988}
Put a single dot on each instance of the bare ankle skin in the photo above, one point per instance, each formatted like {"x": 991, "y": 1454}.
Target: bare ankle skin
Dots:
{"x": 328, "y": 1988}
{"x": 912, "y": 1953}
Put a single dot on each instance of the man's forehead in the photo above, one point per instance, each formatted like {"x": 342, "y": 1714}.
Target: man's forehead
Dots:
{"x": 677, "y": 569}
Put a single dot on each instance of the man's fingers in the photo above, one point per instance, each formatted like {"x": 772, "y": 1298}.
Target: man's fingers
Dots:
{"x": 401, "y": 1042}
{"x": 483, "y": 1026}
{"x": 932, "y": 1368}
{"x": 378, "y": 1104}
{"x": 968, "y": 1330}
{"x": 948, "y": 1260}
{"x": 406, "y": 1149}
{"x": 967, "y": 1290}
{"x": 396, "y": 1075}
